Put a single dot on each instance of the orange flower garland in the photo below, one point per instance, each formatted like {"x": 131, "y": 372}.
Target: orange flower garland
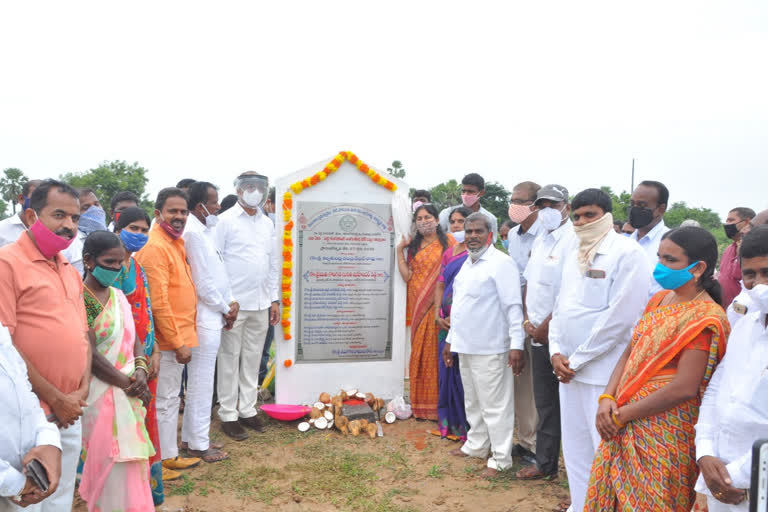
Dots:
{"x": 296, "y": 188}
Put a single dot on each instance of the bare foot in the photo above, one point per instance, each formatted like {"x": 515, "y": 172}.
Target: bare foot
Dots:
{"x": 489, "y": 473}
{"x": 456, "y": 452}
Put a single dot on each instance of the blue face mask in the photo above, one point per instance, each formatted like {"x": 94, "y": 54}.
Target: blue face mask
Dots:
{"x": 133, "y": 241}
{"x": 505, "y": 244}
{"x": 671, "y": 279}
{"x": 26, "y": 203}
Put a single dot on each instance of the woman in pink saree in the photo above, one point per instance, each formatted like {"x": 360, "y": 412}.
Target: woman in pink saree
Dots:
{"x": 116, "y": 446}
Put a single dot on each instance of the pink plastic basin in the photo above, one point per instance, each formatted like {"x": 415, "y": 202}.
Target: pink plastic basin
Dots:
{"x": 285, "y": 412}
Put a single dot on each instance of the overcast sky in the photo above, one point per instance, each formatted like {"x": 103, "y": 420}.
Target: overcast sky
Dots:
{"x": 563, "y": 92}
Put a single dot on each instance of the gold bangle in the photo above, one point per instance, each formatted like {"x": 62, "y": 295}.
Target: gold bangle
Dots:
{"x": 617, "y": 422}
{"x": 526, "y": 322}
{"x": 600, "y": 399}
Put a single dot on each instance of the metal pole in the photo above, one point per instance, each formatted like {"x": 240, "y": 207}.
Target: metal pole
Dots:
{"x": 632, "y": 188}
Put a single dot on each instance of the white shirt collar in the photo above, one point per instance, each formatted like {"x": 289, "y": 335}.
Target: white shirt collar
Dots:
{"x": 658, "y": 230}
{"x": 564, "y": 228}
{"x": 534, "y": 231}
{"x": 607, "y": 243}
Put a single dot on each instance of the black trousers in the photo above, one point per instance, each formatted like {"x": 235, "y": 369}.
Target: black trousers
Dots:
{"x": 546, "y": 393}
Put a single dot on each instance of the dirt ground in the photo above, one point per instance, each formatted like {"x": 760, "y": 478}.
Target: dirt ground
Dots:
{"x": 406, "y": 470}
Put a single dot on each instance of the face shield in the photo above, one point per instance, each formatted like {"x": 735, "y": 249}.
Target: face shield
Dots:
{"x": 252, "y": 189}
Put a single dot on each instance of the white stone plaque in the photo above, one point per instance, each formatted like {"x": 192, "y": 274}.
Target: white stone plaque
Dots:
{"x": 344, "y": 282}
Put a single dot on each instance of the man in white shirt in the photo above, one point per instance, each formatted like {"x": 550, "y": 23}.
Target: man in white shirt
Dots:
{"x": 646, "y": 214}
{"x": 12, "y": 228}
{"x": 520, "y": 240}
{"x": 486, "y": 331}
{"x": 215, "y": 309}
{"x": 734, "y": 410}
{"x": 246, "y": 240}
{"x": 603, "y": 291}
{"x": 25, "y": 433}
{"x": 472, "y": 189}
{"x": 542, "y": 276}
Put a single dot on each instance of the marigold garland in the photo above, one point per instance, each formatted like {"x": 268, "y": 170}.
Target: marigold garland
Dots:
{"x": 296, "y": 188}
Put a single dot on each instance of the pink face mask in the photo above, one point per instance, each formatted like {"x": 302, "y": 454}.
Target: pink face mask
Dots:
{"x": 426, "y": 227}
{"x": 469, "y": 200}
{"x": 519, "y": 212}
{"x": 169, "y": 229}
{"x": 48, "y": 242}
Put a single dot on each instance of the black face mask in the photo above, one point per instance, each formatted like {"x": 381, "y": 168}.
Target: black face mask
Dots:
{"x": 731, "y": 230}
{"x": 640, "y": 217}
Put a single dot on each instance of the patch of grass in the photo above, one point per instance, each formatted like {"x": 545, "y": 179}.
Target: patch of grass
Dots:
{"x": 471, "y": 470}
{"x": 203, "y": 491}
{"x": 436, "y": 471}
{"x": 184, "y": 489}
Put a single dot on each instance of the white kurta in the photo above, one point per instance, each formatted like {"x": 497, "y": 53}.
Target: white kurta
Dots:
{"x": 734, "y": 410}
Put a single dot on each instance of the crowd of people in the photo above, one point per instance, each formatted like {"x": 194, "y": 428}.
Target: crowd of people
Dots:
{"x": 100, "y": 322}
{"x": 633, "y": 346}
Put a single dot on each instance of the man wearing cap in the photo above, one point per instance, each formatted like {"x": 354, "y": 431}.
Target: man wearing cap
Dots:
{"x": 542, "y": 276}
{"x": 520, "y": 241}
{"x": 245, "y": 238}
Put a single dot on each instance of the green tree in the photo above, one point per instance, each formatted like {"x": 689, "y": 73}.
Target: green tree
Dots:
{"x": 10, "y": 186}
{"x": 681, "y": 211}
{"x": 496, "y": 200}
{"x": 397, "y": 170}
{"x": 446, "y": 194}
{"x": 3, "y": 210}
{"x": 111, "y": 177}
{"x": 620, "y": 203}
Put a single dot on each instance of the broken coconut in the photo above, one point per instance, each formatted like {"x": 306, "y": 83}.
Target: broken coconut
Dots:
{"x": 328, "y": 415}
{"x": 360, "y": 396}
{"x": 342, "y": 423}
{"x": 330, "y": 425}
{"x": 390, "y": 417}
{"x": 321, "y": 423}
{"x": 319, "y": 405}
{"x": 370, "y": 399}
{"x": 303, "y": 426}
{"x": 351, "y": 393}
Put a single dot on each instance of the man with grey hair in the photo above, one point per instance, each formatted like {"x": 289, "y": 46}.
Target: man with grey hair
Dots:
{"x": 245, "y": 238}
{"x": 486, "y": 332}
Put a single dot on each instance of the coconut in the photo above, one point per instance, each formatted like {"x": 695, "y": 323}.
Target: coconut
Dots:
{"x": 389, "y": 417}
{"x": 371, "y": 429}
{"x": 315, "y": 413}
{"x": 370, "y": 399}
{"x": 363, "y": 423}
{"x": 342, "y": 424}
{"x": 311, "y": 421}
{"x": 354, "y": 428}
{"x": 303, "y": 426}
{"x": 324, "y": 398}
{"x": 319, "y": 405}
{"x": 328, "y": 415}
{"x": 330, "y": 425}
{"x": 351, "y": 393}
{"x": 360, "y": 396}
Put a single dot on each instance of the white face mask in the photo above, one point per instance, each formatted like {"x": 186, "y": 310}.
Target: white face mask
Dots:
{"x": 759, "y": 295}
{"x": 210, "y": 220}
{"x": 252, "y": 198}
{"x": 475, "y": 255}
{"x": 551, "y": 218}
{"x": 458, "y": 236}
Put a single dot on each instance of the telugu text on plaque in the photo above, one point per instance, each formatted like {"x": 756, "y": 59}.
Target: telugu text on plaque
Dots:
{"x": 344, "y": 282}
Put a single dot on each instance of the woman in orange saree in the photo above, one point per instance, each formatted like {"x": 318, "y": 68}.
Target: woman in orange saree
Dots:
{"x": 647, "y": 458}
{"x": 421, "y": 270}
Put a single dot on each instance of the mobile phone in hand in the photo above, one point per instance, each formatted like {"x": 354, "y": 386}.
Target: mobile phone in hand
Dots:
{"x": 38, "y": 474}
{"x": 758, "y": 489}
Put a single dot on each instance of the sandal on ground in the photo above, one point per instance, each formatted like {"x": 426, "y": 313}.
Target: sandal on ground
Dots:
{"x": 211, "y": 444}
{"x": 563, "y": 506}
{"x": 210, "y": 455}
{"x": 532, "y": 472}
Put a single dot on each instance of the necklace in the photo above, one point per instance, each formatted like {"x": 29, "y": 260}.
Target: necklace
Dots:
{"x": 668, "y": 301}
{"x": 93, "y": 294}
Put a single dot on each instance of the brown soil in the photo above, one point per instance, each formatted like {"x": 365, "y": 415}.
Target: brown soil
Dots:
{"x": 406, "y": 470}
